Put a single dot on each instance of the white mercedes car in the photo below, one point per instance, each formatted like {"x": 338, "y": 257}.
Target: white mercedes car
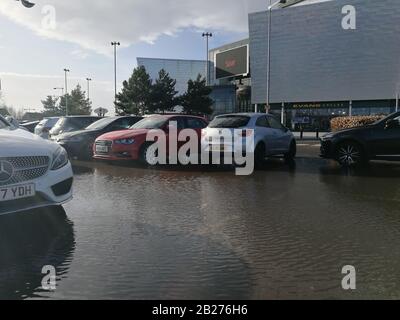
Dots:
{"x": 34, "y": 173}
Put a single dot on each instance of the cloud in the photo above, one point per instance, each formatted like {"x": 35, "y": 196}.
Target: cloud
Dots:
{"x": 94, "y": 24}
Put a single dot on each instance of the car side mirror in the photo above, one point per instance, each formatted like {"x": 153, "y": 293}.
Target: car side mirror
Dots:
{"x": 392, "y": 124}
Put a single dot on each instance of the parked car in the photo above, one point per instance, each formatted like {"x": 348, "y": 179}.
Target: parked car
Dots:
{"x": 271, "y": 138}
{"x": 34, "y": 172}
{"x": 355, "y": 146}
{"x": 132, "y": 145}
{"x": 43, "y": 128}
{"x": 79, "y": 143}
{"x": 70, "y": 124}
{"x": 30, "y": 126}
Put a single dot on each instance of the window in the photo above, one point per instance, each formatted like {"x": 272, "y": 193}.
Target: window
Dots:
{"x": 180, "y": 122}
{"x": 231, "y": 122}
{"x": 194, "y": 123}
{"x": 262, "y": 122}
{"x": 125, "y": 123}
{"x": 275, "y": 124}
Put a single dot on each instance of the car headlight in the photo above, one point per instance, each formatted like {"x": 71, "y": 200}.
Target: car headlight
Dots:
{"x": 60, "y": 159}
{"x": 125, "y": 141}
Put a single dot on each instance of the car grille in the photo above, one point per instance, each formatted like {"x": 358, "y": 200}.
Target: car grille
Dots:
{"x": 26, "y": 168}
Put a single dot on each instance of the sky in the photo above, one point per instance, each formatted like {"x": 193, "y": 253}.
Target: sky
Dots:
{"x": 37, "y": 44}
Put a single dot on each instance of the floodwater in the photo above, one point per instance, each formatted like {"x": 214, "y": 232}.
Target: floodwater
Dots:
{"x": 199, "y": 233}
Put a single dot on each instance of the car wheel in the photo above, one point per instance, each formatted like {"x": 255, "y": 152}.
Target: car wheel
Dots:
{"x": 259, "y": 155}
{"x": 148, "y": 155}
{"x": 292, "y": 152}
{"x": 350, "y": 154}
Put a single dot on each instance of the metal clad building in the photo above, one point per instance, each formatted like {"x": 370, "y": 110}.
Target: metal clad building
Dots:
{"x": 314, "y": 59}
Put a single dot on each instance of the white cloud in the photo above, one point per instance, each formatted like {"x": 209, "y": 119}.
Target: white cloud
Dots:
{"x": 94, "y": 23}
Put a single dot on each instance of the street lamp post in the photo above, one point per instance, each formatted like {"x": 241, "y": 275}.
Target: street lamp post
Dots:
{"x": 66, "y": 91}
{"x": 207, "y": 35}
{"x": 270, "y": 7}
{"x": 88, "y": 88}
{"x": 115, "y": 44}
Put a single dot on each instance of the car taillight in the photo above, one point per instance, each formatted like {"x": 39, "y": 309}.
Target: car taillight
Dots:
{"x": 203, "y": 133}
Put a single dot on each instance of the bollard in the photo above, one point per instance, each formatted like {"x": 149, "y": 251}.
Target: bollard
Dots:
{"x": 317, "y": 134}
{"x": 301, "y": 133}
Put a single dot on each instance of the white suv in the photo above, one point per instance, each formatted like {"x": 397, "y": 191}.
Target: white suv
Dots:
{"x": 34, "y": 173}
{"x": 271, "y": 138}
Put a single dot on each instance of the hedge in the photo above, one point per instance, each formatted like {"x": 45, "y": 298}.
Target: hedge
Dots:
{"x": 351, "y": 122}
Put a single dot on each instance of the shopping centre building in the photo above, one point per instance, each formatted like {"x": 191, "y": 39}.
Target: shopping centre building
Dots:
{"x": 312, "y": 60}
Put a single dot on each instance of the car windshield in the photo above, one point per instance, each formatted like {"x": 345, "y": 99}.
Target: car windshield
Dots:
{"x": 385, "y": 119}
{"x": 230, "y": 122}
{"x": 150, "y": 123}
{"x": 101, "y": 124}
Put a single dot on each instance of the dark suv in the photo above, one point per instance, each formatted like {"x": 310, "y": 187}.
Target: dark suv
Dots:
{"x": 70, "y": 124}
{"x": 378, "y": 141}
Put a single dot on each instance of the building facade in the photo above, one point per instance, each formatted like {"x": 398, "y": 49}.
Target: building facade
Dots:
{"x": 319, "y": 69}
{"x": 326, "y": 58}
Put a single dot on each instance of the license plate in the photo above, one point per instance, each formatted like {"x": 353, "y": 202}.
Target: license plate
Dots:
{"x": 101, "y": 149}
{"x": 17, "y": 192}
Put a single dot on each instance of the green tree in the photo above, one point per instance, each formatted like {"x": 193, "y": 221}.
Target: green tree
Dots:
{"x": 78, "y": 104}
{"x": 135, "y": 97}
{"x": 196, "y": 100}
{"x": 51, "y": 107}
{"x": 163, "y": 93}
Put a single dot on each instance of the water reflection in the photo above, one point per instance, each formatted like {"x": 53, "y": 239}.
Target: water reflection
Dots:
{"x": 29, "y": 241}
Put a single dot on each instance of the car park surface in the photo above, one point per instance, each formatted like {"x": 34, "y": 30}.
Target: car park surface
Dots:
{"x": 203, "y": 233}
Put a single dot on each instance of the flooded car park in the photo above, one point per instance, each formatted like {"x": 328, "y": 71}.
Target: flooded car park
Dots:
{"x": 177, "y": 233}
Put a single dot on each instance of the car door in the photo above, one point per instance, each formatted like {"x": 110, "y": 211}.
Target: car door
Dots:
{"x": 264, "y": 132}
{"x": 281, "y": 136}
{"x": 386, "y": 139}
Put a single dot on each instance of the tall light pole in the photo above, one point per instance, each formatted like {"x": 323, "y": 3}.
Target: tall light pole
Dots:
{"x": 270, "y": 7}
{"x": 207, "y": 35}
{"x": 115, "y": 44}
{"x": 88, "y": 88}
{"x": 66, "y": 91}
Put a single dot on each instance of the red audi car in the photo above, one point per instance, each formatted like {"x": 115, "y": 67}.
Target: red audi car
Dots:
{"x": 131, "y": 144}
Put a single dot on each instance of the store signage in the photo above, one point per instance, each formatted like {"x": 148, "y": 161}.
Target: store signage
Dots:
{"x": 324, "y": 105}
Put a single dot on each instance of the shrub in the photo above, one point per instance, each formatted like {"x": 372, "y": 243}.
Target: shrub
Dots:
{"x": 351, "y": 122}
